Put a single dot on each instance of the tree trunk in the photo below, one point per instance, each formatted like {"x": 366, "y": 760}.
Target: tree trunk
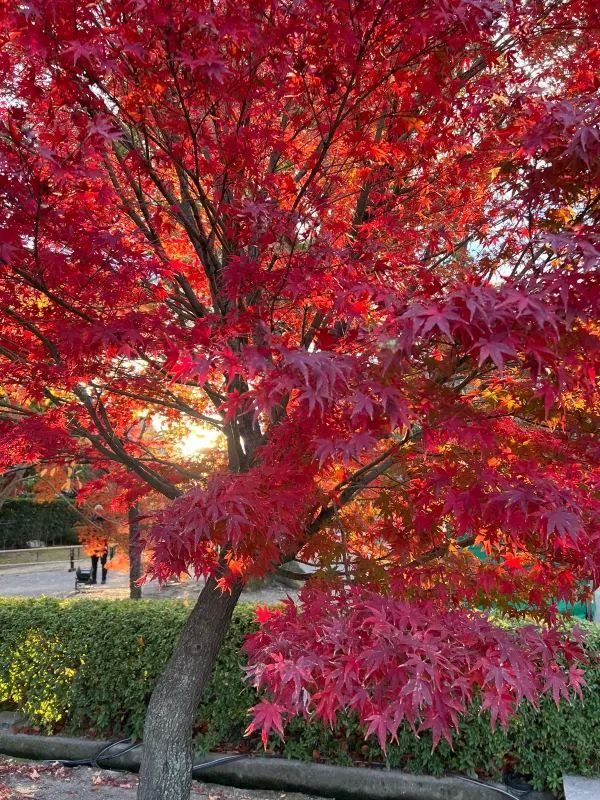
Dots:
{"x": 135, "y": 554}
{"x": 167, "y": 758}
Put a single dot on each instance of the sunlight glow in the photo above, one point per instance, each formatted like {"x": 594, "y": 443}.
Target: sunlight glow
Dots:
{"x": 198, "y": 440}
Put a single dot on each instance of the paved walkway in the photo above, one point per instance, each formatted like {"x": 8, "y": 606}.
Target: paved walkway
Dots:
{"x": 35, "y": 580}
{"x": 20, "y": 780}
{"x": 577, "y": 788}
{"x": 51, "y": 580}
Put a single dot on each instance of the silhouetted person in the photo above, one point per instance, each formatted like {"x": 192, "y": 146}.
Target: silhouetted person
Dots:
{"x": 102, "y": 558}
{"x": 100, "y": 553}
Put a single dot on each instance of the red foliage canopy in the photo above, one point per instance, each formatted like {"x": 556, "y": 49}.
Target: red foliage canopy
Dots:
{"x": 360, "y": 240}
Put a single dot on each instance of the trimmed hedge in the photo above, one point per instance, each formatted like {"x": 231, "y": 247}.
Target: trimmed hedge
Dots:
{"x": 22, "y": 520}
{"x": 88, "y": 667}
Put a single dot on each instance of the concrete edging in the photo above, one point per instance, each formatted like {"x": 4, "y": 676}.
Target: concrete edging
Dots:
{"x": 258, "y": 772}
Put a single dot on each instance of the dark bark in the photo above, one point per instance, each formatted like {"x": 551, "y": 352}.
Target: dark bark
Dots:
{"x": 167, "y": 758}
{"x": 135, "y": 554}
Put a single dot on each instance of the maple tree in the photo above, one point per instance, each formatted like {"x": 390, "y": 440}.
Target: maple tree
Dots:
{"x": 359, "y": 240}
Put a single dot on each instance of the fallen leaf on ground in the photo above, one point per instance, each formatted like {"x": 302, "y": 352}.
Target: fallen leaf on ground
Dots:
{"x": 98, "y": 779}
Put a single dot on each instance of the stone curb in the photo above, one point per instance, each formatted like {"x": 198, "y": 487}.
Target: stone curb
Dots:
{"x": 258, "y": 772}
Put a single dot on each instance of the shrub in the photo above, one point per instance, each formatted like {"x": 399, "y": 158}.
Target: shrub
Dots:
{"x": 83, "y": 666}
{"x": 22, "y": 520}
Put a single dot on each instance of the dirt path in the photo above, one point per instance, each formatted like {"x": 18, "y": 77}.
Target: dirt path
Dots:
{"x": 21, "y": 780}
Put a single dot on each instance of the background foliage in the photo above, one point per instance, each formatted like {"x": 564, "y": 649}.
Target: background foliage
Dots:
{"x": 90, "y": 666}
{"x": 23, "y": 519}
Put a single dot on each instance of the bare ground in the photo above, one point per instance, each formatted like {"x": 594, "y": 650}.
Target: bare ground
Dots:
{"x": 20, "y": 780}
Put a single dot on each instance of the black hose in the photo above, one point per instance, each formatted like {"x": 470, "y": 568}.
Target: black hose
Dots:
{"x": 103, "y": 756}
{"x": 213, "y": 763}
{"x": 505, "y": 792}
{"x": 100, "y": 756}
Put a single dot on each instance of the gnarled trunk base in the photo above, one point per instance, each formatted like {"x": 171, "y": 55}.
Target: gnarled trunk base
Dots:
{"x": 167, "y": 758}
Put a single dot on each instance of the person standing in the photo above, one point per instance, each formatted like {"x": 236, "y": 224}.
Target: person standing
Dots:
{"x": 99, "y": 548}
